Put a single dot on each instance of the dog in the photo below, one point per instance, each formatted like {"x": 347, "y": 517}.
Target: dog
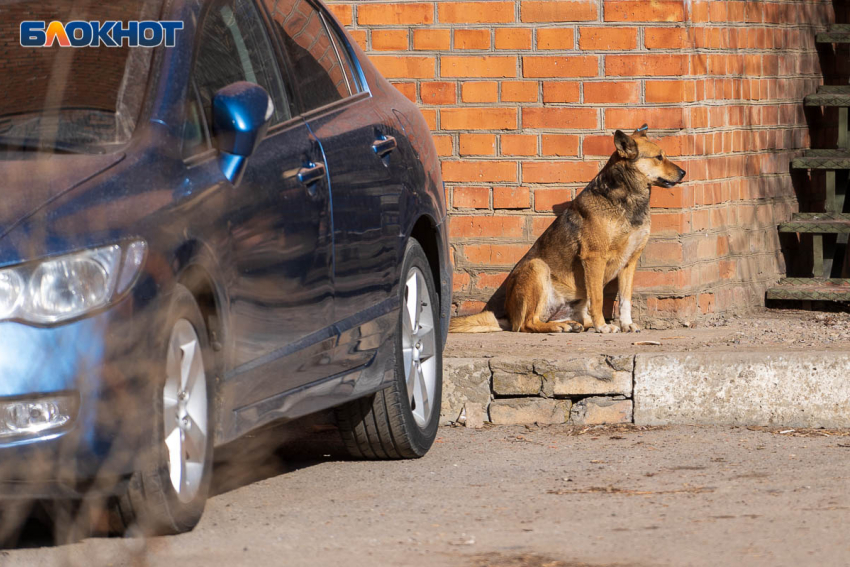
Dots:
{"x": 599, "y": 237}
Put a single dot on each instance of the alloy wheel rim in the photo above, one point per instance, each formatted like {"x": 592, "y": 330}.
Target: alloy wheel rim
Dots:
{"x": 419, "y": 347}
{"x": 185, "y": 411}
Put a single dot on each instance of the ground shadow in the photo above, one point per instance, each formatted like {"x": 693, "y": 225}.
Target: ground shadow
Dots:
{"x": 272, "y": 451}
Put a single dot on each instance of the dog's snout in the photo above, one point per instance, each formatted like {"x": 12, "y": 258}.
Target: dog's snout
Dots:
{"x": 681, "y": 173}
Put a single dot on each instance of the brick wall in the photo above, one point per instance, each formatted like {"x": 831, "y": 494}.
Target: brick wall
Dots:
{"x": 523, "y": 97}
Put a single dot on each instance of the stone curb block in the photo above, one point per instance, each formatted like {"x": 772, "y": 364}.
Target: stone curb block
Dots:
{"x": 800, "y": 389}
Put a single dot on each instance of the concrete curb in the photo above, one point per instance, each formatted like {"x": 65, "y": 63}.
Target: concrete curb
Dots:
{"x": 794, "y": 389}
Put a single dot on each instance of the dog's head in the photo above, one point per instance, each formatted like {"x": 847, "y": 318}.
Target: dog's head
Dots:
{"x": 647, "y": 158}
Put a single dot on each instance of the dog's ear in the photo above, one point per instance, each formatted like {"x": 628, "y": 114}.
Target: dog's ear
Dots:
{"x": 626, "y": 147}
{"x": 641, "y": 132}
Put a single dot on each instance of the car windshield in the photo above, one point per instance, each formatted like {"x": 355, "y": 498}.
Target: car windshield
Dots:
{"x": 68, "y": 99}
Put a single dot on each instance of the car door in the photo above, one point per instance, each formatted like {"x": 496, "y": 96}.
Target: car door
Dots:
{"x": 360, "y": 157}
{"x": 279, "y": 223}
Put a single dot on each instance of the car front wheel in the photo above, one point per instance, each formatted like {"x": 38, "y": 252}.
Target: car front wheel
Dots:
{"x": 169, "y": 494}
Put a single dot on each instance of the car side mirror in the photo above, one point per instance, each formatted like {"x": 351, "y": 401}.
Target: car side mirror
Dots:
{"x": 241, "y": 114}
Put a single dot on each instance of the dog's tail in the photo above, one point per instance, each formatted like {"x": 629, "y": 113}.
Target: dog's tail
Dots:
{"x": 484, "y": 322}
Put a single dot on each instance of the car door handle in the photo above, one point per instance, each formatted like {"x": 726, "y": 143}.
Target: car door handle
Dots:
{"x": 311, "y": 173}
{"x": 384, "y": 145}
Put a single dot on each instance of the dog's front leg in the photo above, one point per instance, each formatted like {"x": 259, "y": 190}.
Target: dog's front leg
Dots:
{"x": 594, "y": 282}
{"x": 624, "y": 281}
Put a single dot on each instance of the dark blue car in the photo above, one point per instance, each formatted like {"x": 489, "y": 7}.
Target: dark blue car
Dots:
{"x": 198, "y": 240}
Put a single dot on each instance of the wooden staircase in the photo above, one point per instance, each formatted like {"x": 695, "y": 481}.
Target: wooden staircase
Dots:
{"x": 829, "y": 260}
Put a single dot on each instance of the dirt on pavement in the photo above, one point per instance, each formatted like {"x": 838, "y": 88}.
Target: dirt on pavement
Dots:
{"x": 557, "y": 496}
{"x": 764, "y": 330}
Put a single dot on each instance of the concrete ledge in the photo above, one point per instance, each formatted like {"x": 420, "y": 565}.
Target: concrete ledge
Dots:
{"x": 795, "y": 389}
{"x": 553, "y": 383}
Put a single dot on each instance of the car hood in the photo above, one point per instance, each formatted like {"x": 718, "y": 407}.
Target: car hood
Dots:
{"x": 30, "y": 184}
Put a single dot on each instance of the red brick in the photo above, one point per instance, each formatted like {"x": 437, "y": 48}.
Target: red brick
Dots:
{"x": 490, "y": 281}
{"x": 612, "y": 92}
{"x": 395, "y": 67}
{"x": 359, "y": 37}
{"x": 480, "y": 91}
{"x": 559, "y": 145}
{"x": 670, "y": 223}
{"x": 460, "y": 281}
{"x": 495, "y": 254}
{"x": 577, "y": 66}
{"x": 555, "y": 38}
{"x": 557, "y": 11}
{"x": 407, "y": 89}
{"x": 430, "y": 116}
{"x": 472, "y": 39}
{"x": 475, "y": 12}
{"x": 483, "y": 227}
{"x": 443, "y": 144}
{"x": 660, "y": 253}
{"x": 519, "y": 91}
{"x": 389, "y": 40}
{"x": 474, "y": 66}
{"x": 477, "y": 144}
{"x": 678, "y": 197}
{"x": 607, "y": 39}
{"x": 395, "y": 13}
{"x": 430, "y": 39}
{"x": 598, "y": 145}
{"x": 561, "y": 91}
{"x": 478, "y": 119}
{"x": 706, "y": 303}
{"x": 438, "y": 92}
{"x": 342, "y": 12}
{"x": 513, "y": 38}
{"x": 559, "y": 171}
{"x": 572, "y": 118}
{"x": 646, "y": 65}
{"x": 670, "y": 91}
{"x": 518, "y": 145}
{"x": 555, "y": 200}
{"x": 479, "y": 171}
{"x": 631, "y": 118}
{"x": 642, "y": 11}
{"x": 471, "y": 197}
{"x": 666, "y": 38}
{"x": 511, "y": 197}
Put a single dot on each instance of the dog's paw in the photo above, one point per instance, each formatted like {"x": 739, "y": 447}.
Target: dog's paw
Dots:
{"x": 608, "y": 329}
{"x": 570, "y": 327}
{"x": 629, "y": 328}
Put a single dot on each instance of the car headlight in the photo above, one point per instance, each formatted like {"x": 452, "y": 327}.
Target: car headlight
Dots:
{"x": 63, "y": 288}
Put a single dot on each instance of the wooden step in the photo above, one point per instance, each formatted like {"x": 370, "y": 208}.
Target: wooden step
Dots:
{"x": 821, "y": 223}
{"x": 823, "y": 159}
{"x": 811, "y": 289}
{"x": 837, "y": 33}
{"x": 830, "y": 95}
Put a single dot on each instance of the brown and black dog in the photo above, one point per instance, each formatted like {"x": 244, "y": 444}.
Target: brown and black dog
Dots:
{"x": 600, "y": 236}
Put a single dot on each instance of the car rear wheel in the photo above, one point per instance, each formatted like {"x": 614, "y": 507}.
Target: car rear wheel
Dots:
{"x": 400, "y": 422}
{"x": 169, "y": 494}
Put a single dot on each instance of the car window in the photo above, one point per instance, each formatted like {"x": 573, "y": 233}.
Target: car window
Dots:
{"x": 345, "y": 56}
{"x": 195, "y": 138}
{"x": 320, "y": 76}
{"x": 234, "y": 47}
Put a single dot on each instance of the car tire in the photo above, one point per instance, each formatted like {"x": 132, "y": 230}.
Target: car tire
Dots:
{"x": 169, "y": 494}
{"x": 396, "y": 423}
